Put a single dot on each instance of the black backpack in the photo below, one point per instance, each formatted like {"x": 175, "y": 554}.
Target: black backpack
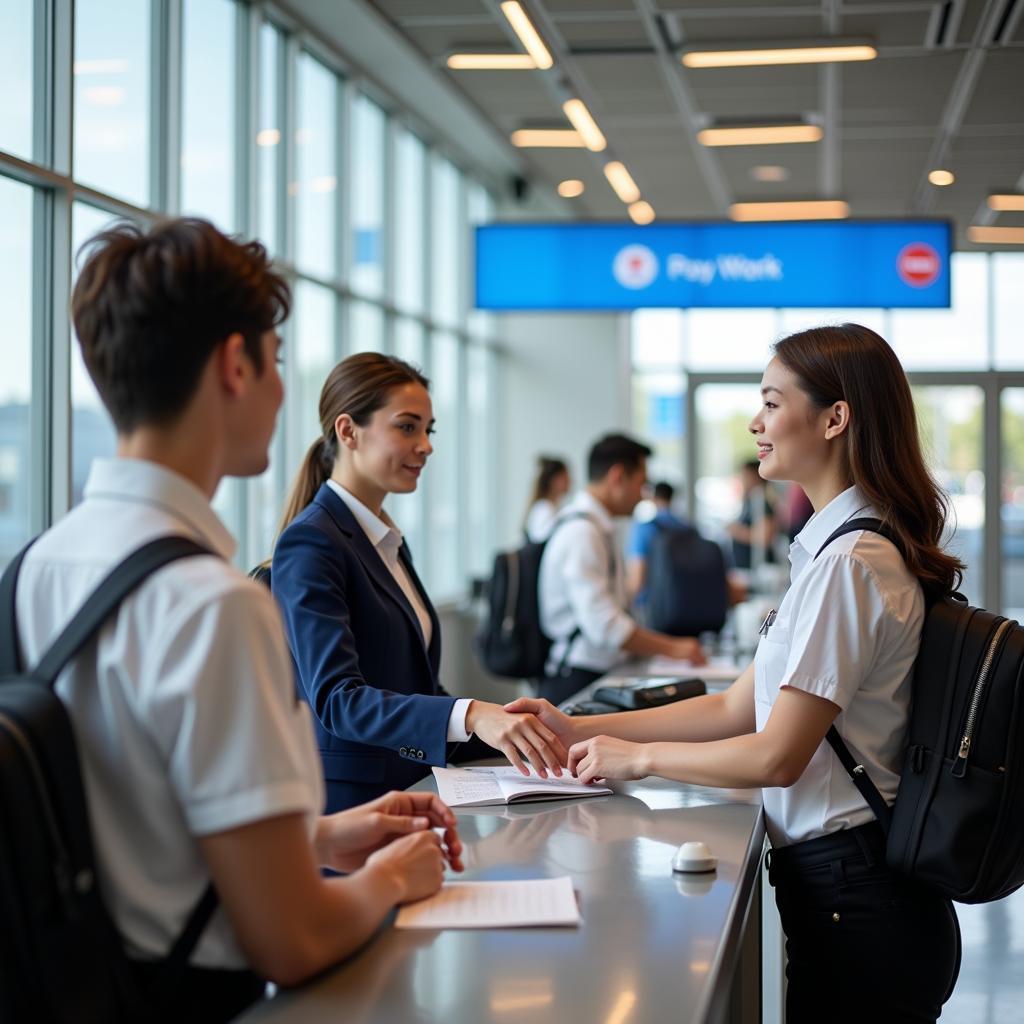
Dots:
{"x": 510, "y": 640}
{"x": 687, "y": 592}
{"x": 958, "y": 821}
{"x": 61, "y": 958}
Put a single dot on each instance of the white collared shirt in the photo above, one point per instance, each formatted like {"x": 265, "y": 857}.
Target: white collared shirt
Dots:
{"x": 386, "y": 539}
{"x": 848, "y": 630}
{"x": 184, "y": 710}
{"x": 583, "y": 584}
{"x": 540, "y": 519}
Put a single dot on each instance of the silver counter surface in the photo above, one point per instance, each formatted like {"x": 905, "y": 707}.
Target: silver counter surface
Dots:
{"x": 652, "y": 947}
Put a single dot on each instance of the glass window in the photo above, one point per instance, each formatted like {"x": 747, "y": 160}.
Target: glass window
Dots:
{"x": 268, "y": 139}
{"x": 410, "y": 185}
{"x": 92, "y": 432}
{"x": 659, "y": 420}
{"x": 16, "y": 472}
{"x": 1012, "y": 502}
{"x": 794, "y": 320}
{"x": 445, "y": 576}
{"x": 480, "y": 463}
{"x": 111, "y": 145}
{"x": 316, "y": 189}
{"x": 16, "y": 74}
{"x": 1008, "y": 309}
{"x": 657, "y": 337}
{"x": 315, "y": 353}
{"x": 367, "y": 196}
{"x": 730, "y": 339}
{"x": 208, "y": 111}
{"x": 956, "y": 338}
{"x": 480, "y": 207}
{"x": 407, "y": 509}
{"x": 366, "y": 328}
{"x": 951, "y": 423}
{"x": 446, "y": 265}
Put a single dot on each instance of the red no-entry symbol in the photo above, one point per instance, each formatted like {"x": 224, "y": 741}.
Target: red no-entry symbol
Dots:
{"x": 918, "y": 264}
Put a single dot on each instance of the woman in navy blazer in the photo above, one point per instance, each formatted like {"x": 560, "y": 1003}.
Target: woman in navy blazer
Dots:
{"x": 364, "y": 636}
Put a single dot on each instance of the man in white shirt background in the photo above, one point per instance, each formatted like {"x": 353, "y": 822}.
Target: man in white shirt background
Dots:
{"x": 582, "y": 589}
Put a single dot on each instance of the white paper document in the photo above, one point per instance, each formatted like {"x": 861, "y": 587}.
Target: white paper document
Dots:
{"x": 480, "y": 787}
{"x": 520, "y": 904}
{"x": 716, "y": 670}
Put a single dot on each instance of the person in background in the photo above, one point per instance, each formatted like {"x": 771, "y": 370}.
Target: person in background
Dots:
{"x": 364, "y": 635}
{"x": 582, "y": 587}
{"x": 798, "y": 510}
{"x": 642, "y": 534}
{"x": 549, "y": 490}
{"x": 197, "y": 761}
{"x": 753, "y": 533}
{"x": 863, "y": 941}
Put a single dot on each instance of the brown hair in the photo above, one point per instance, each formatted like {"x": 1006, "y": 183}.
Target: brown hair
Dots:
{"x": 359, "y": 386}
{"x": 549, "y": 469}
{"x": 150, "y": 307}
{"x": 852, "y": 364}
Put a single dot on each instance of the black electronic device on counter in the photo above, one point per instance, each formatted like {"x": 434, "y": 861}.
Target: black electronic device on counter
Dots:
{"x": 590, "y": 707}
{"x": 636, "y": 695}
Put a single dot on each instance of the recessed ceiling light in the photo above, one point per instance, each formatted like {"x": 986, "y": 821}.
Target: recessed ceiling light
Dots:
{"x": 759, "y": 134}
{"x": 620, "y": 180}
{"x": 581, "y": 120}
{"x": 570, "y": 188}
{"x": 1006, "y": 202}
{"x": 809, "y": 209}
{"x": 268, "y": 137}
{"x": 528, "y": 35}
{"x": 769, "y": 172}
{"x": 996, "y": 236}
{"x": 641, "y": 211}
{"x": 556, "y": 138}
{"x": 491, "y": 62}
{"x": 811, "y": 51}
{"x": 940, "y": 177}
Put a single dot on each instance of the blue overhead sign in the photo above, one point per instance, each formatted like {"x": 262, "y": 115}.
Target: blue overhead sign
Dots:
{"x": 831, "y": 264}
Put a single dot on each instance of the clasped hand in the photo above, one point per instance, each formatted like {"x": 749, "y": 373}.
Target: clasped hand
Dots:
{"x": 520, "y": 736}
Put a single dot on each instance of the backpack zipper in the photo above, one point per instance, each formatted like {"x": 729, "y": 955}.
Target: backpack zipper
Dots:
{"x": 62, "y": 862}
{"x": 960, "y": 764}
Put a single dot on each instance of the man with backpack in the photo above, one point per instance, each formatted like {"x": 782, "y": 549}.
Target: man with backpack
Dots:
{"x": 582, "y": 586}
{"x": 198, "y": 764}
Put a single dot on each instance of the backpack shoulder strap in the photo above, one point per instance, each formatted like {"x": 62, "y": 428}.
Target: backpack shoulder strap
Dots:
{"x": 853, "y": 525}
{"x": 10, "y": 656}
{"x": 105, "y": 599}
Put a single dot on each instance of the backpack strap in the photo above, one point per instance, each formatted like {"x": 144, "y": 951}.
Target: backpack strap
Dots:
{"x": 858, "y": 775}
{"x": 10, "y": 649}
{"x": 106, "y": 598}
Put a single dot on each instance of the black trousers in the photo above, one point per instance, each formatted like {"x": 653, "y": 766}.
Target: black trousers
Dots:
{"x": 863, "y": 943}
{"x": 563, "y": 686}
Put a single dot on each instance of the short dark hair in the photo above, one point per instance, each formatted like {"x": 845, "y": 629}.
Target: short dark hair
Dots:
{"x": 664, "y": 491}
{"x": 151, "y": 306}
{"x": 615, "y": 450}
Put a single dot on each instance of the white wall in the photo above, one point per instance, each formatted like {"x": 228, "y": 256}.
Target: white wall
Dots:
{"x": 564, "y": 381}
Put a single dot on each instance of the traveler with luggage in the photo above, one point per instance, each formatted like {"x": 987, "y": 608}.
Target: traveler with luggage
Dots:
{"x": 862, "y": 886}
{"x": 364, "y": 636}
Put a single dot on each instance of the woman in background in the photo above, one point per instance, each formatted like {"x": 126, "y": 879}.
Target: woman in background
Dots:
{"x": 550, "y": 487}
{"x": 363, "y": 633}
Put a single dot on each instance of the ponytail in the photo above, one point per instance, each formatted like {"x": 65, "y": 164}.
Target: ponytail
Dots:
{"x": 315, "y": 470}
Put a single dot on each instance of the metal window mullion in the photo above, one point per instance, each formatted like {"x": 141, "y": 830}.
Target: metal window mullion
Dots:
{"x": 389, "y": 231}
{"x": 427, "y": 509}
{"x": 172, "y": 61}
{"x": 345, "y": 318}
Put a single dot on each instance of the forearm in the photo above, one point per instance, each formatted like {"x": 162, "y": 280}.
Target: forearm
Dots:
{"x": 739, "y": 762}
{"x": 646, "y": 643}
{"x": 696, "y": 720}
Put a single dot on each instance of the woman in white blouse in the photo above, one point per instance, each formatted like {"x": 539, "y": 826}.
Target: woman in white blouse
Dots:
{"x": 863, "y": 943}
{"x": 549, "y": 489}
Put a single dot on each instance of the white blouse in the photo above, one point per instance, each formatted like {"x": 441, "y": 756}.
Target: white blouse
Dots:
{"x": 848, "y": 630}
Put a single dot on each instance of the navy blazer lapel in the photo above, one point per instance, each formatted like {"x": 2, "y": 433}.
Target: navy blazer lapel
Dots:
{"x": 434, "y": 651}
{"x": 371, "y": 559}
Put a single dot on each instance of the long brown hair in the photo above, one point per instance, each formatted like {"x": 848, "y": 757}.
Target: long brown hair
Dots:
{"x": 852, "y": 364}
{"x": 549, "y": 468}
{"x": 358, "y": 385}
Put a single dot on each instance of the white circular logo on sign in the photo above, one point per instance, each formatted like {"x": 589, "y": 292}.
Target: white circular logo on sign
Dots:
{"x": 635, "y": 266}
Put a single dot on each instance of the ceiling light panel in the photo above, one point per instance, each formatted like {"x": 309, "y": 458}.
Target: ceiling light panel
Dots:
{"x": 735, "y": 55}
{"x": 759, "y": 135}
{"x": 641, "y": 212}
{"x": 553, "y": 138}
{"x": 491, "y": 62}
{"x": 1006, "y": 202}
{"x": 581, "y": 120}
{"x": 528, "y": 35}
{"x": 570, "y": 188}
{"x": 996, "y": 236}
{"x": 810, "y": 209}
{"x": 621, "y": 180}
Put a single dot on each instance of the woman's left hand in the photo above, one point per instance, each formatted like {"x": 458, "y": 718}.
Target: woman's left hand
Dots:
{"x": 344, "y": 840}
{"x": 603, "y": 757}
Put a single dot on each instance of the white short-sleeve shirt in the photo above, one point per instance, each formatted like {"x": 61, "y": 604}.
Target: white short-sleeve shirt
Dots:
{"x": 184, "y": 709}
{"x": 848, "y": 630}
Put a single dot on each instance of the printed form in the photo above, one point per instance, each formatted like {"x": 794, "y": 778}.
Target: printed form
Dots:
{"x": 519, "y": 904}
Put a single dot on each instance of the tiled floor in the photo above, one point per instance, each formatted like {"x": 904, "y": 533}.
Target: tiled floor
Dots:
{"x": 991, "y": 985}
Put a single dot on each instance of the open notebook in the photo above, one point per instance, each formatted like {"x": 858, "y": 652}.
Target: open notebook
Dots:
{"x": 478, "y": 787}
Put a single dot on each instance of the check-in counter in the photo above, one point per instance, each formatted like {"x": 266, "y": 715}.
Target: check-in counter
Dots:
{"x": 652, "y": 947}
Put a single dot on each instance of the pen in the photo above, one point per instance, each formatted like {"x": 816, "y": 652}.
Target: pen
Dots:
{"x": 767, "y": 624}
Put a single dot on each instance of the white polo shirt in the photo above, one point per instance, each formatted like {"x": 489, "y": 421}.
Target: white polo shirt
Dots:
{"x": 848, "y": 630}
{"x": 583, "y": 584}
{"x": 184, "y": 708}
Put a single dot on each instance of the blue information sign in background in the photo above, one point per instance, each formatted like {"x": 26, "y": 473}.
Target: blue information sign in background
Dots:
{"x": 821, "y": 263}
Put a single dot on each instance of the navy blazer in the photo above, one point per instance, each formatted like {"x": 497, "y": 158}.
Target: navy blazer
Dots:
{"x": 381, "y": 714}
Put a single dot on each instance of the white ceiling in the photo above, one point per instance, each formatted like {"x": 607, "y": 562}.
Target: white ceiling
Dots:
{"x": 947, "y": 90}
